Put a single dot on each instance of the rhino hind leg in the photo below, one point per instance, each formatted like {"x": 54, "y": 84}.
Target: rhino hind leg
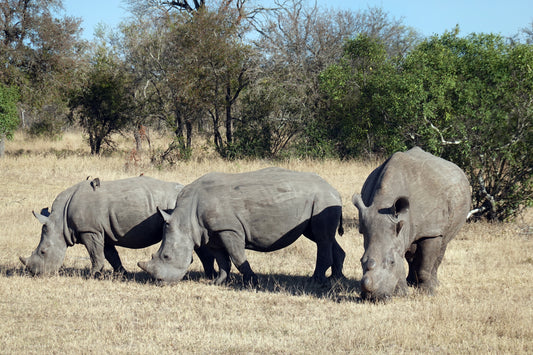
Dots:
{"x": 338, "y": 261}
{"x": 324, "y": 260}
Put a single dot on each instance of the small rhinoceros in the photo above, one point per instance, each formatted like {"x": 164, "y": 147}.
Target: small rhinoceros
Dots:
{"x": 102, "y": 215}
{"x": 264, "y": 210}
{"x": 411, "y": 206}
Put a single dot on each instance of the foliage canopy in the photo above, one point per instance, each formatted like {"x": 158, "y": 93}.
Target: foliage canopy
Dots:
{"x": 468, "y": 99}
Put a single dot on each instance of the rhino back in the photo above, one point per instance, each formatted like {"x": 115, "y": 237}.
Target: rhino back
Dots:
{"x": 438, "y": 190}
{"x": 264, "y": 205}
{"x": 123, "y": 210}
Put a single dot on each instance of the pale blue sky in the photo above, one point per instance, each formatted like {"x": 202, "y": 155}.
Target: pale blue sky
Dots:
{"x": 429, "y": 17}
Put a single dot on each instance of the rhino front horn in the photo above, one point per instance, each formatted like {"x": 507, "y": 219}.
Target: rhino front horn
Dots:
{"x": 143, "y": 265}
{"x": 23, "y": 260}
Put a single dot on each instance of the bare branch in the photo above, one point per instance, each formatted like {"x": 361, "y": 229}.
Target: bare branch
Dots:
{"x": 442, "y": 140}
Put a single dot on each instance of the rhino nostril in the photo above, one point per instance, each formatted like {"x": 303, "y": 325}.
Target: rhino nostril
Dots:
{"x": 371, "y": 264}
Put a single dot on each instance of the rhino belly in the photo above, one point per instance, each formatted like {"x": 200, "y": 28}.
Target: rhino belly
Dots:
{"x": 136, "y": 234}
{"x": 274, "y": 239}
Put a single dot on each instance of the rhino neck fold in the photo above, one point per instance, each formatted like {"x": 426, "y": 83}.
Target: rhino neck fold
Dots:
{"x": 68, "y": 234}
{"x": 189, "y": 218}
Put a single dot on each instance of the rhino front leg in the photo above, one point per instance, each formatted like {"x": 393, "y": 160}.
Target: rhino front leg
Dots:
{"x": 224, "y": 265}
{"x": 235, "y": 247}
{"x": 424, "y": 264}
{"x": 95, "y": 246}
{"x": 208, "y": 261}
{"x": 111, "y": 255}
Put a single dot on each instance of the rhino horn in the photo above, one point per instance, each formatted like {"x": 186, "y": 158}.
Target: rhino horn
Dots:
{"x": 41, "y": 218}
{"x": 357, "y": 200}
{"x": 165, "y": 215}
{"x": 23, "y": 260}
{"x": 143, "y": 265}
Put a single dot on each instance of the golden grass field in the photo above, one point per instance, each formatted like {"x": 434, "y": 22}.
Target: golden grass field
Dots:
{"x": 484, "y": 303}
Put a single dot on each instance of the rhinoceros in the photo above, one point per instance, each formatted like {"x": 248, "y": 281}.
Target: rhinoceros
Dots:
{"x": 264, "y": 210}
{"x": 102, "y": 215}
{"x": 411, "y": 206}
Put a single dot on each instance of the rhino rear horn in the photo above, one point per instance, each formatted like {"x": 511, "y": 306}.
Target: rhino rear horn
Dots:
{"x": 41, "y": 218}
{"x": 357, "y": 200}
{"x": 165, "y": 215}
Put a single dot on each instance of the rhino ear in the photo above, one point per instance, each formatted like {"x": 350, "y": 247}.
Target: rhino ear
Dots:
{"x": 357, "y": 200}
{"x": 165, "y": 215}
{"x": 40, "y": 217}
{"x": 400, "y": 206}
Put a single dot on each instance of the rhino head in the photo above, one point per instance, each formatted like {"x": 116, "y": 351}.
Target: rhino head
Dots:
{"x": 49, "y": 255}
{"x": 170, "y": 263}
{"x": 386, "y": 233}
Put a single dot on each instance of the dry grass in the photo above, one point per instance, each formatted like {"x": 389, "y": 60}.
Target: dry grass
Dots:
{"x": 484, "y": 303}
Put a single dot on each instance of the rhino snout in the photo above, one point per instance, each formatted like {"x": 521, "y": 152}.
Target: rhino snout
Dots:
{"x": 367, "y": 284}
{"x": 23, "y": 260}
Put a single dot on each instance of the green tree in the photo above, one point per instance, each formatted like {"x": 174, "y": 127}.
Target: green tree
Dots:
{"x": 39, "y": 51}
{"x": 471, "y": 102}
{"x": 9, "y": 118}
{"x": 352, "y": 90}
{"x": 468, "y": 99}
{"x": 104, "y": 103}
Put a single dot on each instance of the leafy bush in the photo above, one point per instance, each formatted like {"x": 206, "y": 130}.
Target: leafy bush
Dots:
{"x": 467, "y": 99}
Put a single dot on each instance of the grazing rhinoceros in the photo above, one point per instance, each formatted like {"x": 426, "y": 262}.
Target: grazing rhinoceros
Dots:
{"x": 101, "y": 215}
{"x": 411, "y": 206}
{"x": 264, "y": 210}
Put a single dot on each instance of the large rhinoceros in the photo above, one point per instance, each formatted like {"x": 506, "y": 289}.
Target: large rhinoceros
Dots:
{"x": 264, "y": 210}
{"x": 102, "y": 215}
{"x": 411, "y": 206}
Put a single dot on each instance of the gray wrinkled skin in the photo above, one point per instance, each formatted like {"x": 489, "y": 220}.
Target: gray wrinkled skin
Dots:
{"x": 410, "y": 207}
{"x": 264, "y": 210}
{"x": 102, "y": 216}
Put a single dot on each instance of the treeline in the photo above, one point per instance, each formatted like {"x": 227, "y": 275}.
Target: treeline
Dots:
{"x": 288, "y": 80}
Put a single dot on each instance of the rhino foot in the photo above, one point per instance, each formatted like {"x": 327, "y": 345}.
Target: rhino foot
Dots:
{"x": 319, "y": 282}
{"x": 251, "y": 280}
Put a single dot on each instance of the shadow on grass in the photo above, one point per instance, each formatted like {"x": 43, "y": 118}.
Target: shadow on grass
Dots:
{"x": 343, "y": 290}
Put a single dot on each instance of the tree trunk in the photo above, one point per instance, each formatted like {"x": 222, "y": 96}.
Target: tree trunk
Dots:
{"x": 229, "y": 119}
{"x": 188, "y": 127}
{"x": 2, "y": 145}
{"x": 138, "y": 140}
{"x": 178, "y": 132}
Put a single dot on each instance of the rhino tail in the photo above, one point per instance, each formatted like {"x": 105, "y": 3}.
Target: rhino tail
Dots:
{"x": 340, "y": 230}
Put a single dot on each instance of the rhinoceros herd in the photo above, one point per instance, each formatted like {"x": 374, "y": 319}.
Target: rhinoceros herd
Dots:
{"x": 410, "y": 207}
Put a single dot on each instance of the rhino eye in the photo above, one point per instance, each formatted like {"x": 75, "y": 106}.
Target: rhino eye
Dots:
{"x": 166, "y": 257}
{"x": 43, "y": 252}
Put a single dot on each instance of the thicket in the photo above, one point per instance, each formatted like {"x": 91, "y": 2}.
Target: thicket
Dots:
{"x": 291, "y": 79}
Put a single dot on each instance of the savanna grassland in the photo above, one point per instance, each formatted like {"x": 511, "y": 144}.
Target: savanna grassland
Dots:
{"x": 484, "y": 303}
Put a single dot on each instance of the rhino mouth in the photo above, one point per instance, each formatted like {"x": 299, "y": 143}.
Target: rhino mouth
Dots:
{"x": 375, "y": 297}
